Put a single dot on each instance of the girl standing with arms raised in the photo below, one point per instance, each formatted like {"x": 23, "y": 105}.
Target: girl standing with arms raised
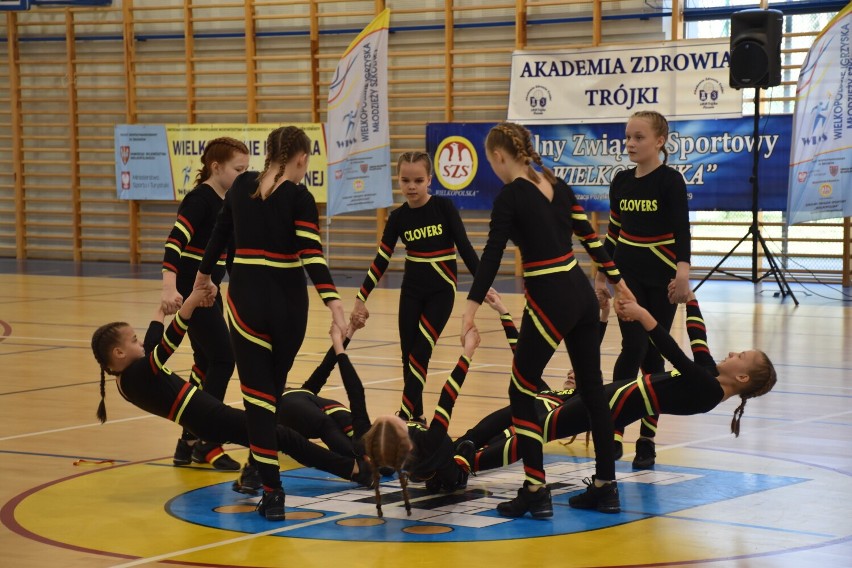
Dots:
{"x": 431, "y": 230}
{"x": 649, "y": 239}
{"x": 539, "y": 213}
{"x": 222, "y": 161}
{"x": 274, "y": 221}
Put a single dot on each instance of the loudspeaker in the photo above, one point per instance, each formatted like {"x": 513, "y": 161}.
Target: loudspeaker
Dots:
{"x": 756, "y": 48}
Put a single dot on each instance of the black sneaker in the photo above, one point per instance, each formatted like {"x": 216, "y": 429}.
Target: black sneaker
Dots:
{"x": 465, "y": 455}
{"x": 646, "y": 454}
{"x": 271, "y": 505}
{"x": 618, "y": 450}
{"x": 386, "y": 471}
{"x": 208, "y": 452}
{"x": 604, "y": 499}
{"x": 183, "y": 453}
{"x": 538, "y": 504}
{"x": 249, "y": 482}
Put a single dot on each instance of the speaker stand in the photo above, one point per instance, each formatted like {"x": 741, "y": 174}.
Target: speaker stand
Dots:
{"x": 754, "y": 229}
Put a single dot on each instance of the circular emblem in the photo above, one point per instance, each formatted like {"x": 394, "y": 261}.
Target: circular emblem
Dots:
{"x": 708, "y": 91}
{"x": 457, "y": 162}
{"x": 825, "y": 190}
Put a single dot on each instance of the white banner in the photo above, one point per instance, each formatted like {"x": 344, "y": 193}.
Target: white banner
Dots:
{"x": 682, "y": 80}
{"x": 820, "y": 185}
{"x": 358, "y": 135}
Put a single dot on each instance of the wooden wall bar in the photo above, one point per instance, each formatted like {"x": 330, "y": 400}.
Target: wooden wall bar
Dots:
{"x": 73, "y": 73}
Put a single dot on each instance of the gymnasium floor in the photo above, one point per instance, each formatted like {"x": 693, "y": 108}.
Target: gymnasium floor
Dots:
{"x": 76, "y": 493}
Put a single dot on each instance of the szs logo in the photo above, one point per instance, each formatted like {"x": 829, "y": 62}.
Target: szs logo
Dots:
{"x": 825, "y": 190}
{"x": 358, "y": 185}
{"x": 708, "y": 92}
{"x": 456, "y": 162}
{"x": 538, "y": 98}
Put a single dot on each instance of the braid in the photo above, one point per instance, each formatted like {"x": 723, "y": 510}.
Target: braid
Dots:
{"x": 103, "y": 340}
{"x": 517, "y": 141}
{"x": 403, "y": 482}
{"x": 218, "y": 150}
{"x": 738, "y": 413}
{"x": 282, "y": 145}
{"x": 376, "y": 483}
{"x": 384, "y": 446}
{"x": 761, "y": 380}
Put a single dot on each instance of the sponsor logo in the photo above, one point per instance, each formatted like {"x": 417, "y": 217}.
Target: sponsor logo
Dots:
{"x": 539, "y": 99}
{"x": 708, "y": 91}
{"x": 125, "y": 180}
{"x": 803, "y": 175}
{"x": 833, "y": 169}
{"x": 456, "y": 162}
{"x": 338, "y": 174}
{"x": 363, "y": 168}
{"x": 825, "y": 190}
{"x": 358, "y": 185}
{"x": 124, "y": 151}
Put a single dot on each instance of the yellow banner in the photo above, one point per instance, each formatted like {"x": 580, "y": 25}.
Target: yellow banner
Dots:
{"x": 186, "y": 143}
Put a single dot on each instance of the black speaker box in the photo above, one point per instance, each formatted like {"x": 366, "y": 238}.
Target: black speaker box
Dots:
{"x": 756, "y": 48}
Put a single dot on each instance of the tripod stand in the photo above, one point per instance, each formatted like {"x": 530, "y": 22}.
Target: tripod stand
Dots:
{"x": 754, "y": 230}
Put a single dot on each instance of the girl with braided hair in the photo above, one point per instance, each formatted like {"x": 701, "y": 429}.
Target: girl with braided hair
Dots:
{"x": 274, "y": 222}
{"x": 431, "y": 230}
{"x": 540, "y": 213}
{"x": 408, "y": 447}
{"x": 144, "y": 380}
{"x": 223, "y": 159}
{"x": 649, "y": 239}
{"x": 694, "y": 386}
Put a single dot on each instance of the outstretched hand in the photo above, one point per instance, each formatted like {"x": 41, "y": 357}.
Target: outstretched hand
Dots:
{"x": 495, "y": 301}
{"x": 337, "y": 337}
{"x": 630, "y": 310}
{"x": 360, "y": 312}
{"x": 205, "y": 283}
{"x": 678, "y": 290}
{"x": 470, "y": 341}
{"x": 170, "y": 301}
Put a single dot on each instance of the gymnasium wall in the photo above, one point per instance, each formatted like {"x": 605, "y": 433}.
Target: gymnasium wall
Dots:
{"x": 70, "y": 74}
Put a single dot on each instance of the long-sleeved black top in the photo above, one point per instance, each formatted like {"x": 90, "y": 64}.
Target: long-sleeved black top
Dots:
{"x": 649, "y": 223}
{"x": 279, "y": 233}
{"x": 431, "y": 235}
{"x": 189, "y": 236}
{"x": 542, "y": 230}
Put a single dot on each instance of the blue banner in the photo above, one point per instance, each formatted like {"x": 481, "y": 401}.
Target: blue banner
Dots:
{"x": 714, "y": 156}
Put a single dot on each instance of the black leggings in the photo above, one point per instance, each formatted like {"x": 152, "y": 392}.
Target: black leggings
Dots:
{"x": 211, "y": 349}
{"x": 268, "y": 324}
{"x": 636, "y": 350}
{"x": 213, "y": 421}
{"x": 559, "y": 306}
{"x": 422, "y": 317}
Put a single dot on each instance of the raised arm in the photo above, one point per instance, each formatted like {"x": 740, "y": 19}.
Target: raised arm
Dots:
{"x": 495, "y": 302}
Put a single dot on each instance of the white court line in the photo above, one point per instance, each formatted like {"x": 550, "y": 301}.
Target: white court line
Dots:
{"x": 371, "y": 507}
{"x": 145, "y": 416}
{"x": 335, "y": 518}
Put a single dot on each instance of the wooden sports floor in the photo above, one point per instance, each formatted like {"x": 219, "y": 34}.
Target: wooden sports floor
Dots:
{"x": 77, "y": 493}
